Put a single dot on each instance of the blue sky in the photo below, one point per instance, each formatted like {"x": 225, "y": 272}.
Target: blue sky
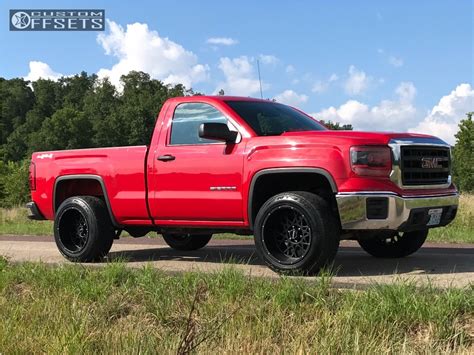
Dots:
{"x": 396, "y": 65}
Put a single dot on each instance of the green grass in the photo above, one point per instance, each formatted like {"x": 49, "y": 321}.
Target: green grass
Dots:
{"x": 14, "y": 221}
{"x": 74, "y": 309}
{"x": 461, "y": 230}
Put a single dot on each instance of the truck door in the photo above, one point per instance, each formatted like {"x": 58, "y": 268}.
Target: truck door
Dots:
{"x": 196, "y": 179}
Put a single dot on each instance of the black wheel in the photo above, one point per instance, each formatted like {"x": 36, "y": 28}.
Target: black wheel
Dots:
{"x": 187, "y": 241}
{"x": 296, "y": 233}
{"x": 397, "y": 245}
{"x": 82, "y": 229}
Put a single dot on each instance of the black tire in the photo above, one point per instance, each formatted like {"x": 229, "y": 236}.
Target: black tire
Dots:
{"x": 82, "y": 229}
{"x": 187, "y": 241}
{"x": 398, "y": 245}
{"x": 296, "y": 233}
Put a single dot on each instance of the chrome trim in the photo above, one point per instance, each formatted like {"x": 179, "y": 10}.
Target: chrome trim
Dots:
{"x": 353, "y": 214}
{"x": 396, "y": 173}
{"x": 223, "y": 188}
{"x": 378, "y": 193}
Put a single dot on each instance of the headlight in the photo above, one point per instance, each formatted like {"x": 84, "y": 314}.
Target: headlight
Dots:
{"x": 371, "y": 160}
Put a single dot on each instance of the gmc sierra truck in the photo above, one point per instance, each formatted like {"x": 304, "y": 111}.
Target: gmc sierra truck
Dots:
{"x": 251, "y": 167}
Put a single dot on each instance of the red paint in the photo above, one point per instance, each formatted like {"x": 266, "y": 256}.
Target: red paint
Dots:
{"x": 179, "y": 191}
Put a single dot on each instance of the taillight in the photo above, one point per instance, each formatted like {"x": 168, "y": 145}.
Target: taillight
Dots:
{"x": 32, "y": 176}
{"x": 371, "y": 160}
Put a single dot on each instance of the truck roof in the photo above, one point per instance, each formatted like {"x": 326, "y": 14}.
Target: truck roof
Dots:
{"x": 216, "y": 98}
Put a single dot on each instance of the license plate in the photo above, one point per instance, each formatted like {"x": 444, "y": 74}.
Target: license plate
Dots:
{"x": 435, "y": 216}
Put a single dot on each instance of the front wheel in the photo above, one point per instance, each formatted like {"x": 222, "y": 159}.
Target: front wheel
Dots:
{"x": 397, "y": 245}
{"x": 296, "y": 233}
{"x": 187, "y": 241}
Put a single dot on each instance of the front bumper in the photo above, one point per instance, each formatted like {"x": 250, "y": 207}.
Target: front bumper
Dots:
{"x": 33, "y": 212}
{"x": 393, "y": 212}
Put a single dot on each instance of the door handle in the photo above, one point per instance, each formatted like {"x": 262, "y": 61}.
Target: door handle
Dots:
{"x": 167, "y": 157}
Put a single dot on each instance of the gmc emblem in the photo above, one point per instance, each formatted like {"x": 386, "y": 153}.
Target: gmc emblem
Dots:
{"x": 432, "y": 163}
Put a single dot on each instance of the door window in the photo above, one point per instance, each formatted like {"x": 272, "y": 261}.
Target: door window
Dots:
{"x": 186, "y": 121}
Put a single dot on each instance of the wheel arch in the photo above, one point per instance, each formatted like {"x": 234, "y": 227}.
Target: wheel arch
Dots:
{"x": 323, "y": 180}
{"x": 80, "y": 185}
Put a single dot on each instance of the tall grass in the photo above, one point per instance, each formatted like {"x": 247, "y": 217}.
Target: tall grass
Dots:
{"x": 462, "y": 228}
{"x": 72, "y": 309}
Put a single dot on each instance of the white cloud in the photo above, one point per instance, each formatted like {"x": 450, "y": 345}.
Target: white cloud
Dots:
{"x": 333, "y": 77}
{"x": 268, "y": 59}
{"x": 290, "y": 69}
{"x": 41, "y": 70}
{"x": 292, "y": 98}
{"x": 444, "y": 118}
{"x": 392, "y": 60}
{"x": 322, "y": 85}
{"x": 395, "y": 114}
{"x": 139, "y": 48}
{"x": 223, "y": 41}
{"x": 240, "y": 77}
{"x": 357, "y": 82}
{"x": 395, "y": 61}
{"x": 406, "y": 92}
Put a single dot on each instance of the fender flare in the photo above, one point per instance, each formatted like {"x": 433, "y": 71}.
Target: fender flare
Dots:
{"x": 318, "y": 171}
{"x": 86, "y": 177}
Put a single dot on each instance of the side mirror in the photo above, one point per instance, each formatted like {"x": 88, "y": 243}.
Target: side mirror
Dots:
{"x": 217, "y": 131}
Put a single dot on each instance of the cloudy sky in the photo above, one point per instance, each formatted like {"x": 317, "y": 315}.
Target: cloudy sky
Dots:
{"x": 379, "y": 65}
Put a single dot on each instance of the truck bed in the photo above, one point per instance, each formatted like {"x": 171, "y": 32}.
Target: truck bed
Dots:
{"x": 120, "y": 169}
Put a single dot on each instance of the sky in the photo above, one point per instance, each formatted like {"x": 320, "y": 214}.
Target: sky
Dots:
{"x": 378, "y": 65}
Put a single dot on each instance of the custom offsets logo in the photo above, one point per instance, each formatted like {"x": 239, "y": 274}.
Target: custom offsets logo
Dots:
{"x": 57, "y": 20}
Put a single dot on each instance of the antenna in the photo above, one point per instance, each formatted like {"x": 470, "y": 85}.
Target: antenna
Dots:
{"x": 259, "y": 79}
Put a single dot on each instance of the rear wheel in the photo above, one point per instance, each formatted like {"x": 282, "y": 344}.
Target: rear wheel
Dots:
{"x": 296, "y": 233}
{"x": 82, "y": 229}
{"x": 397, "y": 245}
{"x": 187, "y": 241}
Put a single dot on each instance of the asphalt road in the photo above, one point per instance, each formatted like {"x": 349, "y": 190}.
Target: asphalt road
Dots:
{"x": 442, "y": 265}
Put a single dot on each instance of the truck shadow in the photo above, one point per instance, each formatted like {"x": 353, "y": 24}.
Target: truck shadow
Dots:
{"x": 350, "y": 261}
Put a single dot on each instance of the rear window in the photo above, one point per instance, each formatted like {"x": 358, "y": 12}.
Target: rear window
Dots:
{"x": 273, "y": 119}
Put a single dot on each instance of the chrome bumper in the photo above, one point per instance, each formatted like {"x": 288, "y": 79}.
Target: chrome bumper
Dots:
{"x": 404, "y": 213}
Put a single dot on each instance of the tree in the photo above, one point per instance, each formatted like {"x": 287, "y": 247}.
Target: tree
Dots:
{"x": 67, "y": 128}
{"x": 16, "y": 99}
{"x": 463, "y": 155}
{"x": 337, "y": 126}
{"x": 101, "y": 105}
{"x": 75, "y": 89}
{"x": 14, "y": 189}
{"x": 141, "y": 100}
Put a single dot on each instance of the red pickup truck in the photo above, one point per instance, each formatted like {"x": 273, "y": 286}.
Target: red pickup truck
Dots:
{"x": 249, "y": 166}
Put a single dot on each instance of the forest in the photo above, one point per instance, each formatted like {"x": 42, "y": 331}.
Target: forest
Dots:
{"x": 82, "y": 111}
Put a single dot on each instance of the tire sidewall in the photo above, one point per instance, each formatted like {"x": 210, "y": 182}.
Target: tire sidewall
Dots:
{"x": 80, "y": 205}
{"x": 411, "y": 243}
{"x": 314, "y": 220}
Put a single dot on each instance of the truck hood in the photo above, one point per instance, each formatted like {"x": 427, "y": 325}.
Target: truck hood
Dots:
{"x": 356, "y": 137}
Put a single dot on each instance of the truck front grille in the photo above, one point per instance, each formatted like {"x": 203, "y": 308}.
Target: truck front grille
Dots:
{"x": 425, "y": 165}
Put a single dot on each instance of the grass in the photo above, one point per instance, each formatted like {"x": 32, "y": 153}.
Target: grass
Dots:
{"x": 461, "y": 230}
{"x": 73, "y": 309}
{"x": 14, "y": 221}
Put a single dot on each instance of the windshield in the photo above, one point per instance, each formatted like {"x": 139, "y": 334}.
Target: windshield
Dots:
{"x": 273, "y": 119}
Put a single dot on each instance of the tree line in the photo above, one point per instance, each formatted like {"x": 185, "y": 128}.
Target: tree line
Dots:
{"x": 82, "y": 111}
